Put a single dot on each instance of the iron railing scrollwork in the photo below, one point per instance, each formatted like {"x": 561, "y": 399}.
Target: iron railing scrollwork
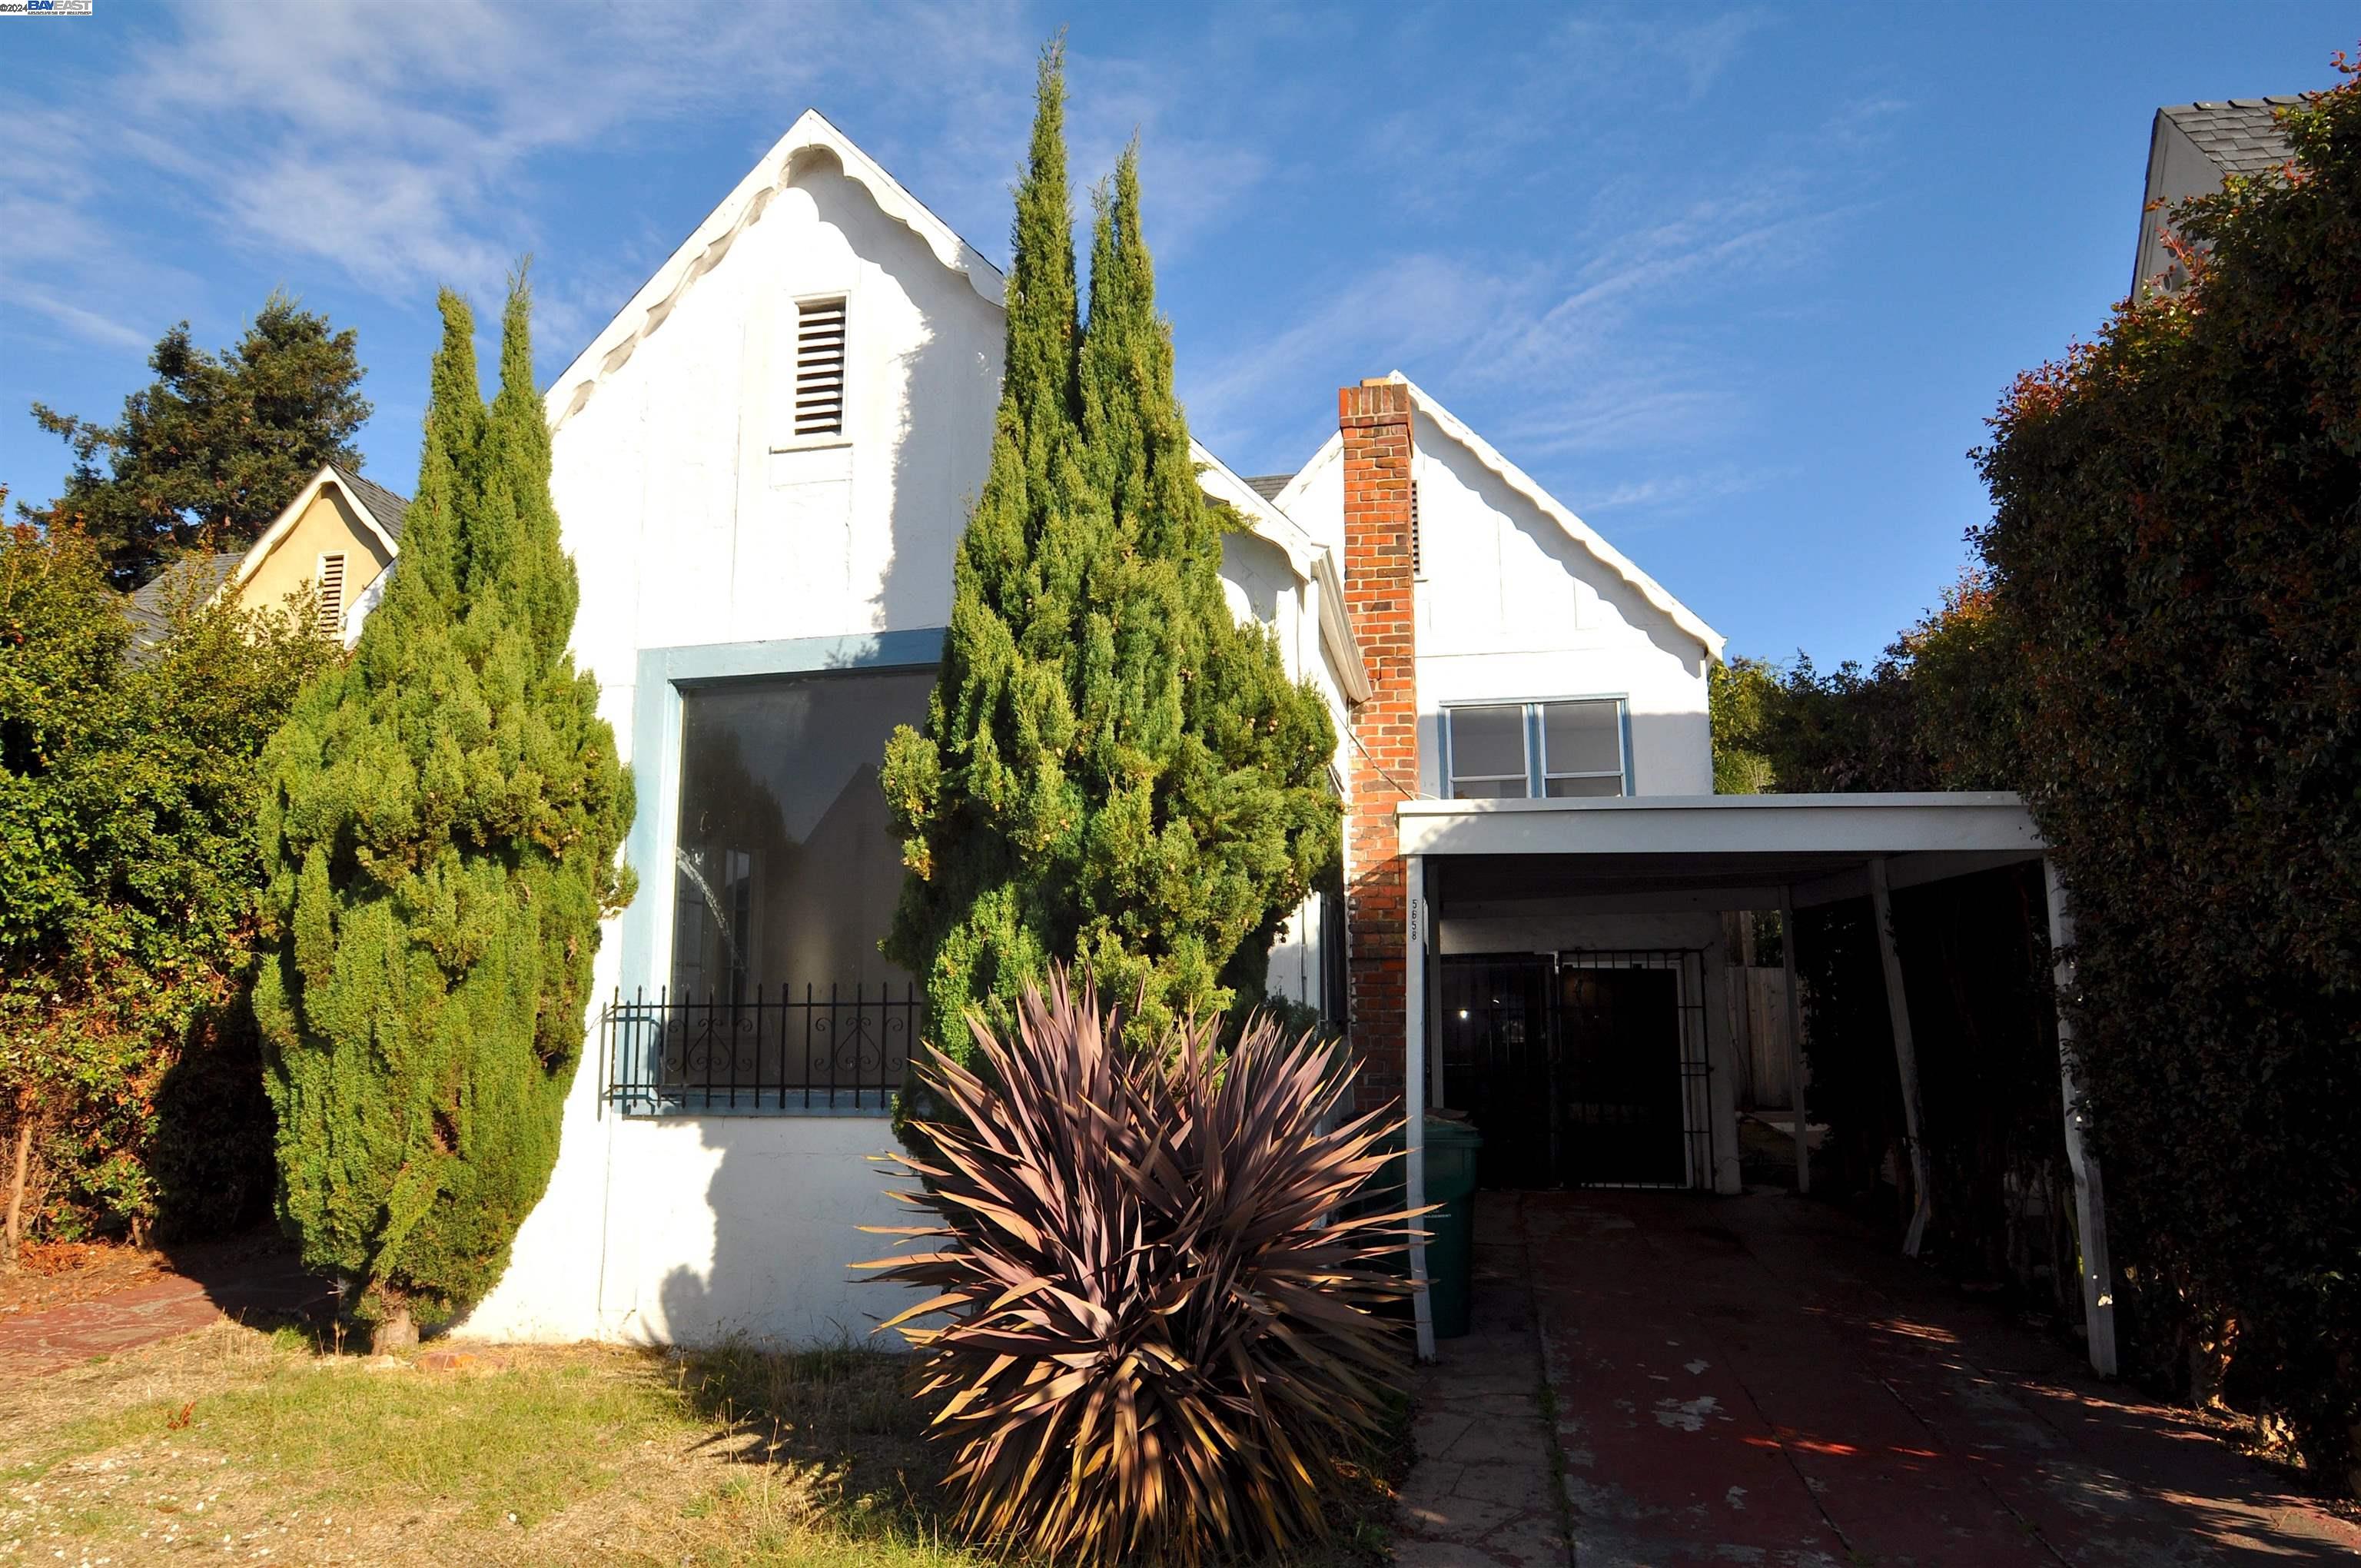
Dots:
{"x": 831, "y": 1049}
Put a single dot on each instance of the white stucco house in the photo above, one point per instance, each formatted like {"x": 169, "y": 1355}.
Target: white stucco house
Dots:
{"x": 762, "y": 465}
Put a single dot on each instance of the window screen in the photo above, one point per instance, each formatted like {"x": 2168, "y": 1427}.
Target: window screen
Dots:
{"x": 1582, "y": 747}
{"x": 1487, "y": 752}
{"x": 1512, "y": 750}
{"x": 785, "y": 871}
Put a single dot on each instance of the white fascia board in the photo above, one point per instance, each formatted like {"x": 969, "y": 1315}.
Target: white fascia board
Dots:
{"x": 1581, "y": 533}
{"x": 1264, "y": 520}
{"x": 284, "y": 524}
{"x": 704, "y": 249}
{"x": 1954, "y": 821}
{"x": 1312, "y": 562}
{"x": 1336, "y": 633}
{"x": 1292, "y": 491}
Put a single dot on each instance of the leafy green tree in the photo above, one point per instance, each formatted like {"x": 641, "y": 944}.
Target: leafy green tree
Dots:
{"x": 440, "y": 836}
{"x": 1113, "y": 769}
{"x": 2176, "y": 543}
{"x": 1938, "y": 710}
{"x": 216, "y": 446}
{"x": 1738, "y": 694}
{"x": 127, "y": 871}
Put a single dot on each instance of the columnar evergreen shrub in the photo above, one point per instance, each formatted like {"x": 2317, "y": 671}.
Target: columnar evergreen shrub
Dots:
{"x": 2177, "y": 541}
{"x": 1112, "y": 770}
{"x": 440, "y": 837}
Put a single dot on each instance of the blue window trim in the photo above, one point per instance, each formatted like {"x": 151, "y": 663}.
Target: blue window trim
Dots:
{"x": 663, "y": 674}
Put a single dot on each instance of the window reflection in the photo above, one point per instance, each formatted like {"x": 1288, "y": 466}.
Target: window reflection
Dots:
{"x": 787, "y": 870}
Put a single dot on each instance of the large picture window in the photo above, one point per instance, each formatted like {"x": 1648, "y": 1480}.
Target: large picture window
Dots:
{"x": 785, "y": 870}
{"x": 1522, "y": 749}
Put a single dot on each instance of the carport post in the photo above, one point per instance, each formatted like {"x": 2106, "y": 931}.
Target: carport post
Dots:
{"x": 1794, "y": 1007}
{"x": 1905, "y": 1054}
{"x": 2090, "y": 1198}
{"x": 1414, "y": 1082}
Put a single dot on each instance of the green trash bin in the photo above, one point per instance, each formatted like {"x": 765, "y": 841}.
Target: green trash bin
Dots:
{"x": 1451, "y": 1149}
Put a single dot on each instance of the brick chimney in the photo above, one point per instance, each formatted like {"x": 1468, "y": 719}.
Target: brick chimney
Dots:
{"x": 1374, "y": 421}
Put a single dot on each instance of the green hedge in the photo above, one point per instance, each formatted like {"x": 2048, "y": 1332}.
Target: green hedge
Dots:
{"x": 2177, "y": 545}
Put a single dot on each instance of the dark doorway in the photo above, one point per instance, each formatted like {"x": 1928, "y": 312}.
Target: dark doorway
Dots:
{"x": 1581, "y": 1070}
{"x": 1498, "y": 1064}
{"x": 1621, "y": 1030}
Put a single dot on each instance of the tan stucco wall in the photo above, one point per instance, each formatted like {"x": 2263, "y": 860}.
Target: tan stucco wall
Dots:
{"x": 330, "y": 523}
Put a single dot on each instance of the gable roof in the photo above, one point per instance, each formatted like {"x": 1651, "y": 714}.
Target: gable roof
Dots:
{"x": 380, "y": 504}
{"x": 197, "y": 578}
{"x": 366, "y": 507}
{"x": 711, "y": 241}
{"x": 1524, "y": 484}
{"x": 1267, "y": 485}
{"x": 2242, "y": 135}
{"x": 1310, "y": 561}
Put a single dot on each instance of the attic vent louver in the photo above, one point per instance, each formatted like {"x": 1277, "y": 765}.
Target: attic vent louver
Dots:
{"x": 332, "y": 595}
{"x": 819, "y": 367}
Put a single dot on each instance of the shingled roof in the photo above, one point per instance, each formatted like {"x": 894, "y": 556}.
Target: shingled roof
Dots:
{"x": 2240, "y": 134}
{"x": 191, "y": 580}
{"x": 1267, "y": 485}
{"x": 383, "y": 504}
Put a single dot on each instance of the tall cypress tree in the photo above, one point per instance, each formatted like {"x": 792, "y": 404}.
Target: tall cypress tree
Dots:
{"x": 440, "y": 837}
{"x": 1113, "y": 769}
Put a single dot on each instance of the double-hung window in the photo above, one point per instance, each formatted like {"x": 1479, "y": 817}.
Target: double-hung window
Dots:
{"x": 1518, "y": 750}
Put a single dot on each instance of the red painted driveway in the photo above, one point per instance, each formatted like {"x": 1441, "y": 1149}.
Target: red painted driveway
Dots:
{"x": 1755, "y": 1380}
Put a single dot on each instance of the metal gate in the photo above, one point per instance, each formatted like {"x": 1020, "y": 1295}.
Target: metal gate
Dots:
{"x": 1582, "y": 1068}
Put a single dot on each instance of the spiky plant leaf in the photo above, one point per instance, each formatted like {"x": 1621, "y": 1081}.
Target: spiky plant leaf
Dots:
{"x": 1161, "y": 1331}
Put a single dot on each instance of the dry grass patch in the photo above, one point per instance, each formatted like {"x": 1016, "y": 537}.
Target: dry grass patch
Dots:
{"x": 250, "y": 1444}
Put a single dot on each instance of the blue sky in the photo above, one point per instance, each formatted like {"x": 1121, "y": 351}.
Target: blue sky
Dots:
{"x": 1739, "y": 285}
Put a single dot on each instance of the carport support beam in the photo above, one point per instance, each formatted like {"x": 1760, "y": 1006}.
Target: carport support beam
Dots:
{"x": 1791, "y": 1005}
{"x": 1414, "y": 936}
{"x": 2090, "y": 1198}
{"x": 1905, "y": 1053}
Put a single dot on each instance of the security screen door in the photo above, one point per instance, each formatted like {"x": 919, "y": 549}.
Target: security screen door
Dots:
{"x": 1580, "y": 1068}
{"x": 1620, "y": 1082}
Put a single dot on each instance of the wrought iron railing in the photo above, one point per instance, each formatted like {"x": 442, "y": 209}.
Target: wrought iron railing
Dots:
{"x": 828, "y": 1049}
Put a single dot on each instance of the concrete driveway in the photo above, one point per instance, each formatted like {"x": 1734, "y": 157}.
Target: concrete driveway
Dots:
{"x": 1756, "y": 1380}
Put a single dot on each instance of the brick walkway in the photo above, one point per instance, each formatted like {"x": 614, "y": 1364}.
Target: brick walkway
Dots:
{"x": 1756, "y": 1380}
{"x": 265, "y": 1283}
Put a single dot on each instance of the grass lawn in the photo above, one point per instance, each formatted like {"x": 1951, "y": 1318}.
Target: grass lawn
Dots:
{"x": 252, "y": 1445}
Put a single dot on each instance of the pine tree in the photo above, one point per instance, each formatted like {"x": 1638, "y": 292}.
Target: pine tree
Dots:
{"x": 215, "y": 447}
{"x": 440, "y": 838}
{"x": 1113, "y": 769}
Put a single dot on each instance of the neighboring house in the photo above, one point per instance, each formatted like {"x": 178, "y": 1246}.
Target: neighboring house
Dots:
{"x": 2192, "y": 149}
{"x": 761, "y": 467}
{"x": 338, "y": 536}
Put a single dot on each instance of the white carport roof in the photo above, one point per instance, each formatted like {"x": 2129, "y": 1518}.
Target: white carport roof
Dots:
{"x": 1721, "y": 852}
{"x": 1714, "y": 851}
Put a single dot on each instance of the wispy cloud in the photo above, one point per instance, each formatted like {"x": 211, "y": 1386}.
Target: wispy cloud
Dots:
{"x": 1586, "y": 347}
{"x": 407, "y": 146}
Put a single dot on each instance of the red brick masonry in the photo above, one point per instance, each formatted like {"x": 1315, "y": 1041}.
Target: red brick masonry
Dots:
{"x": 1375, "y": 420}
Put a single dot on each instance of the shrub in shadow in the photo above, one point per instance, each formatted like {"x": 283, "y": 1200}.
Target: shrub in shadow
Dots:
{"x": 1162, "y": 1339}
